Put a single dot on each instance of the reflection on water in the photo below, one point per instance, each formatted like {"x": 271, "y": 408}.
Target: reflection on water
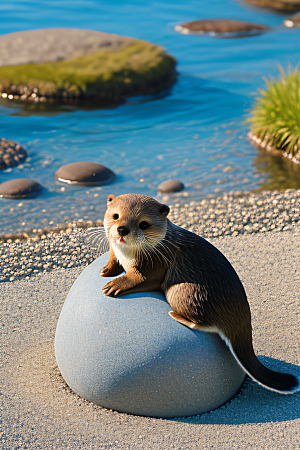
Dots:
{"x": 52, "y": 108}
{"x": 194, "y": 132}
{"x": 282, "y": 173}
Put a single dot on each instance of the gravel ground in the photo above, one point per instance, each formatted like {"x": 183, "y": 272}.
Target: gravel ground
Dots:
{"x": 38, "y": 411}
{"x": 210, "y": 218}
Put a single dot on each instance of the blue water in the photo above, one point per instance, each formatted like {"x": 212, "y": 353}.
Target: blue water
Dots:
{"x": 194, "y": 132}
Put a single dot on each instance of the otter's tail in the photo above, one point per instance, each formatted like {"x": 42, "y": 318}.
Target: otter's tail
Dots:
{"x": 283, "y": 383}
{"x": 242, "y": 350}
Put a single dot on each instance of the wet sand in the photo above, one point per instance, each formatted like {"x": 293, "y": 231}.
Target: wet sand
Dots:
{"x": 38, "y": 411}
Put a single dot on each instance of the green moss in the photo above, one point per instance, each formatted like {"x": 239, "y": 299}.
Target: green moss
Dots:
{"x": 276, "y": 114}
{"x": 138, "y": 68}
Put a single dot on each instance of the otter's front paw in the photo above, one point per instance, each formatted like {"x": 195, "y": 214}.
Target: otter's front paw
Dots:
{"x": 105, "y": 272}
{"x": 114, "y": 288}
{"x": 111, "y": 270}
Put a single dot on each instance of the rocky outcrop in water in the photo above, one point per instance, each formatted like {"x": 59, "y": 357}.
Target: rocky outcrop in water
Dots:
{"x": 73, "y": 65}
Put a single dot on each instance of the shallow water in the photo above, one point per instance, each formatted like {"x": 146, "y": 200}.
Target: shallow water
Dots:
{"x": 194, "y": 132}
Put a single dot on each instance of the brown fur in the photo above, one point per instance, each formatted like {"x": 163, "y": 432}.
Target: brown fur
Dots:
{"x": 200, "y": 284}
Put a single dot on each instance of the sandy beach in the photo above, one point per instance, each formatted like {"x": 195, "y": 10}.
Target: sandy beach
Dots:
{"x": 38, "y": 410}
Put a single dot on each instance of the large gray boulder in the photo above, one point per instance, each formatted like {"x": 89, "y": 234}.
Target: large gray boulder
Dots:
{"x": 129, "y": 355}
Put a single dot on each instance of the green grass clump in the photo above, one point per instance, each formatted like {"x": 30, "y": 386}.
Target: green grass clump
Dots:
{"x": 276, "y": 114}
{"x": 138, "y": 67}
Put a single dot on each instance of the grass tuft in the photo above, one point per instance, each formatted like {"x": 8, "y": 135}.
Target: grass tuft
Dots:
{"x": 276, "y": 114}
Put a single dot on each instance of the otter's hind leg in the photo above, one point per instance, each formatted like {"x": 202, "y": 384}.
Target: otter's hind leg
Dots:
{"x": 194, "y": 326}
{"x": 183, "y": 320}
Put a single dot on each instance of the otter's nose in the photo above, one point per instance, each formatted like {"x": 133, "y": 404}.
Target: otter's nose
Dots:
{"x": 123, "y": 231}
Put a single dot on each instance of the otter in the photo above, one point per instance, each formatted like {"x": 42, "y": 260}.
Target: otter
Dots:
{"x": 199, "y": 283}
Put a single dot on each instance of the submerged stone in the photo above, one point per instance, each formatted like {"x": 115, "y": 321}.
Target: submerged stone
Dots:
{"x": 19, "y": 188}
{"x": 75, "y": 64}
{"x": 170, "y": 186}
{"x": 84, "y": 173}
{"x": 224, "y": 28}
{"x": 129, "y": 355}
{"x": 11, "y": 153}
{"x": 281, "y": 5}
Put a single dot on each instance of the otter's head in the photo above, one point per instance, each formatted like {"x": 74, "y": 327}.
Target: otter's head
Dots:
{"x": 135, "y": 222}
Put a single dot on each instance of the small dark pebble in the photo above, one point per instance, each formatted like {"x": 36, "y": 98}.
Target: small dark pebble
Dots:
{"x": 221, "y": 27}
{"x": 11, "y": 153}
{"x": 293, "y": 22}
{"x": 84, "y": 173}
{"x": 170, "y": 186}
{"x": 19, "y": 188}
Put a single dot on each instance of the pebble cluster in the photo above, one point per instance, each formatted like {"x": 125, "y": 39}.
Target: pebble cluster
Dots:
{"x": 232, "y": 215}
{"x": 11, "y": 153}
{"x": 64, "y": 250}
{"x": 216, "y": 217}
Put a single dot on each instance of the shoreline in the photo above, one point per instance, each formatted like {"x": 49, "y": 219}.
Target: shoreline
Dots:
{"x": 212, "y": 218}
{"x": 39, "y": 411}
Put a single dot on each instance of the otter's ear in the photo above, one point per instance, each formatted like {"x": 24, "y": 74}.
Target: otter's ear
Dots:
{"x": 110, "y": 199}
{"x": 164, "y": 210}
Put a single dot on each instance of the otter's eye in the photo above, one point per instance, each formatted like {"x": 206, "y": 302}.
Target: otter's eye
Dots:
{"x": 115, "y": 216}
{"x": 143, "y": 225}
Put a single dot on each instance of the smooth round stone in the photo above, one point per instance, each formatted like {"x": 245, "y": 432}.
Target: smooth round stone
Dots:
{"x": 85, "y": 173}
{"x": 222, "y": 28}
{"x": 293, "y": 22}
{"x": 129, "y": 355}
{"x": 11, "y": 153}
{"x": 19, "y": 188}
{"x": 170, "y": 186}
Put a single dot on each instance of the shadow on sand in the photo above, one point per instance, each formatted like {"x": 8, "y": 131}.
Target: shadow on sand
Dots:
{"x": 254, "y": 404}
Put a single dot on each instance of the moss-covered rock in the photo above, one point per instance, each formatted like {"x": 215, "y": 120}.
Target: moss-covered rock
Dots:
{"x": 132, "y": 67}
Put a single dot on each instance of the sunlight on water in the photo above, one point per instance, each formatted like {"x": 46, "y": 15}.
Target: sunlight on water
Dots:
{"x": 195, "y": 131}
